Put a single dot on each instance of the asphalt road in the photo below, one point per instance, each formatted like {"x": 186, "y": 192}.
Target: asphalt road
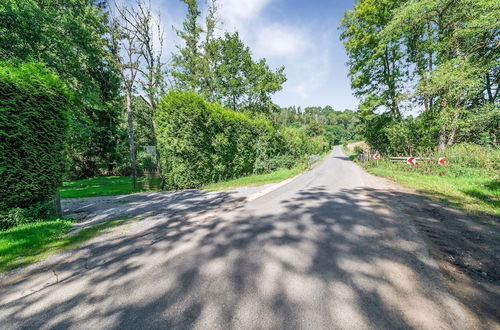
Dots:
{"x": 329, "y": 250}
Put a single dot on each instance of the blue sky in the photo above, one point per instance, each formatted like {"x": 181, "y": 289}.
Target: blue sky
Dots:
{"x": 302, "y": 35}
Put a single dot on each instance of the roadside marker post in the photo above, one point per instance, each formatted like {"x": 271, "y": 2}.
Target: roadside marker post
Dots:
{"x": 442, "y": 160}
{"x": 411, "y": 160}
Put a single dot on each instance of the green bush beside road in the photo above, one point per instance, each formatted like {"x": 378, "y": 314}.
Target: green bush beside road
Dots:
{"x": 470, "y": 180}
{"x": 202, "y": 142}
{"x": 34, "y": 121}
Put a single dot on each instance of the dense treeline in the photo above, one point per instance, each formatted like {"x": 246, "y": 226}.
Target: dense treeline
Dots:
{"x": 338, "y": 126}
{"x": 427, "y": 72}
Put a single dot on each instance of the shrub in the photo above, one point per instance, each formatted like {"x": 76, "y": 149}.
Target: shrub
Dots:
{"x": 33, "y": 121}
{"x": 203, "y": 142}
{"x": 38, "y": 211}
{"x": 358, "y": 150}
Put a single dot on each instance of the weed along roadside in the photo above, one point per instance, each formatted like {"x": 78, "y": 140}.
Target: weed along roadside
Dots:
{"x": 464, "y": 176}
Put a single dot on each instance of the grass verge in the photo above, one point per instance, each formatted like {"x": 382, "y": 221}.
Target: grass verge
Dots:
{"x": 256, "y": 179}
{"x": 476, "y": 192}
{"x": 261, "y": 179}
{"x": 29, "y": 243}
{"x": 108, "y": 186}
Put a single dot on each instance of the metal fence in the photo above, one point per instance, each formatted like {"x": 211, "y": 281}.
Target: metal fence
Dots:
{"x": 313, "y": 159}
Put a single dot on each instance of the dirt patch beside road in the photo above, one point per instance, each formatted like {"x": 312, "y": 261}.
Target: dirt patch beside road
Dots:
{"x": 467, "y": 250}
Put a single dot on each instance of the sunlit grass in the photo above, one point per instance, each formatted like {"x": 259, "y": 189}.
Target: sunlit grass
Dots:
{"x": 475, "y": 191}
{"x": 256, "y": 179}
{"x": 29, "y": 243}
{"x": 108, "y": 186}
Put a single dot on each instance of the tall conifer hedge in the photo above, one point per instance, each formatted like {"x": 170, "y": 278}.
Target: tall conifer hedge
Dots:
{"x": 202, "y": 142}
{"x": 33, "y": 126}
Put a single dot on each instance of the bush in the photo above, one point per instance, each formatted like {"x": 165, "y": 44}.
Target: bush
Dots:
{"x": 358, "y": 150}
{"x": 203, "y": 142}
{"x": 36, "y": 212}
{"x": 33, "y": 118}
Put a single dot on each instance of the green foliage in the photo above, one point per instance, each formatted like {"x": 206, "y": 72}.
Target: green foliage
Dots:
{"x": 38, "y": 211}
{"x": 358, "y": 150}
{"x": 438, "y": 57}
{"x": 374, "y": 63}
{"x": 222, "y": 69}
{"x": 336, "y": 126}
{"x": 69, "y": 37}
{"x": 203, "y": 142}
{"x": 34, "y": 120}
{"x": 470, "y": 179}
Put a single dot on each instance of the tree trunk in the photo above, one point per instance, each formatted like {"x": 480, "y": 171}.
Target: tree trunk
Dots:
{"x": 131, "y": 140}
{"x": 158, "y": 160}
{"x": 451, "y": 136}
{"x": 442, "y": 139}
{"x": 488, "y": 88}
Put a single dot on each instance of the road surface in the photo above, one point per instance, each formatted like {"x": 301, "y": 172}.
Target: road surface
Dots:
{"x": 329, "y": 250}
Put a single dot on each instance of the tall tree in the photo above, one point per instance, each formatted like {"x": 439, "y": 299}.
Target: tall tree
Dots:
{"x": 125, "y": 50}
{"x": 69, "y": 37}
{"x": 374, "y": 63}
{"x": 187, "y": 62}
{"x": 149, "y": 39}
{"x": 461, "y": 45}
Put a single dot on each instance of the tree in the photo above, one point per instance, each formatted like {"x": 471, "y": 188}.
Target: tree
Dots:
{"x": 222, "y": 69}
{"x": 69, "y": 37}
{"x": 147, "y": 48}
{"x": 374, "y": 63}
{"x": 125, "y": 45}
{"x": 460, "y": 45}
{"x": 186, "y": 63}
{"x": 242, "y": 83}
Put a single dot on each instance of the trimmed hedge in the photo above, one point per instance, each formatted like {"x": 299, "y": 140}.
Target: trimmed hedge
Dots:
{"x": 33, "y": 125}
{"x": 201, "y": 142}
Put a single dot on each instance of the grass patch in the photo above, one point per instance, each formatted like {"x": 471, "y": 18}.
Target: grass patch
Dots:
{"x": 108, "y": 186}
{"x": 29, "y": 243}
{"x": 256, "y": 179}
{"x": 472, "y": 190}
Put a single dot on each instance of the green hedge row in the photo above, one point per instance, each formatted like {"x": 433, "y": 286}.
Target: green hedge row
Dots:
{"x": 33, "y": 125}
{"x": 202, "y": 142}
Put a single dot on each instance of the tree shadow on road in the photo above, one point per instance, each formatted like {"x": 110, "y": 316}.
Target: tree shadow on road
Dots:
{"x": 347, "y": 259}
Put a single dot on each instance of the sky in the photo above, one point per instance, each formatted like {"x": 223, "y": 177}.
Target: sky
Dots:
{"x": 302, "y": 35}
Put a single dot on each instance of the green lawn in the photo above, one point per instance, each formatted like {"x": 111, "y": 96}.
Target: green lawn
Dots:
{"x": 256, "y": 179}
{"x": 29, "y": 243}
{"x": 116, "y": 185}
{"x": 475, "y": 191}
{"x": 107, "y": 186}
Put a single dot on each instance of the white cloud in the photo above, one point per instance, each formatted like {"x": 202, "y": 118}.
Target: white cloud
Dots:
{"x": 236, "y": 13}
{"x": 280, "y": 40}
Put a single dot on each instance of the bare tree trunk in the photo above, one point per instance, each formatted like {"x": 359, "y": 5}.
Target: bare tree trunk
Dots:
{"x": 131, "y": 139}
